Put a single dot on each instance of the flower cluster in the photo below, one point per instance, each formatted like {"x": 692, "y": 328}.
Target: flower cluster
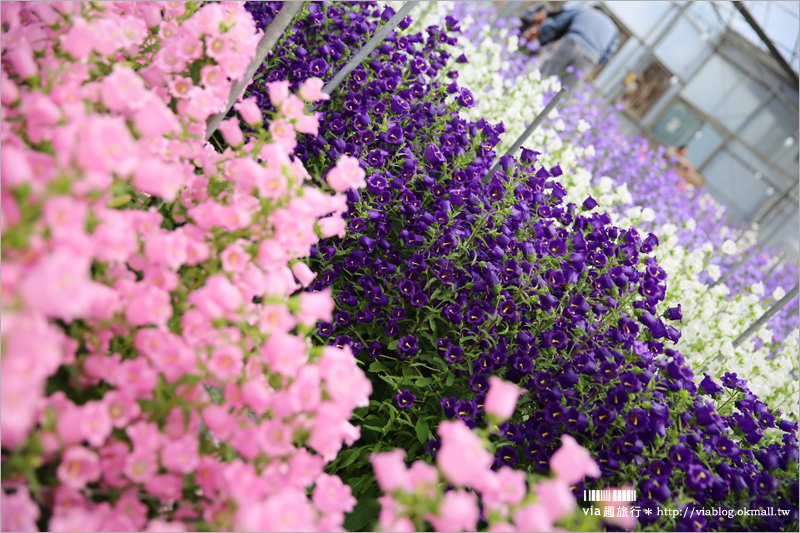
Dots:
{"x": 698, "y": 247}
{"x": 503, "y": 500}
{"x": 156, "y": 373}
{"x": 692, "y": 229}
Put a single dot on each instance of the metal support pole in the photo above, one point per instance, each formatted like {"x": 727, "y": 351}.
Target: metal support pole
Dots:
{"x": 273, "y": 32}
{"x": 772, "y": 311}
{"x": 777, "y": 264}
{"x": 735, "y": 268}
{"x": 793, "y": 309}
{"x": 373, "y": 43}
{"x": 527, "y": 133}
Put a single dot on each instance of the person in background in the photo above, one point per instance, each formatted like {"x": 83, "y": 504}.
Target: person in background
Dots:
{"x": 676, "y": 157}
{"x": 587, "y": 37}
{"x": 628, "y": 97}
{"x": 680, "y": 155}
{"x": 534, "y": 16}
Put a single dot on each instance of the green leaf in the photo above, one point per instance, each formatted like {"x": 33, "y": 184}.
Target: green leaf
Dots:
{"x": 405, "y": 422}
{"x": 352, "y": 455}
{"x": 392, "y": 417}
{"x": 422, "y": 430}
{"x": 412, "y": 453}
{"x": 424, "y": 382}
{"x": 363, "y": 484}
{"x": 365, "y": 513}
{"x": 119, "y": 201}
{"x": 450, "y": 379}
{"x": 432, "y": 323}
{"x": 376, "y": 404}
{"x": 394, "y": 344}
{"x": 376, "y": 367}
{"x": 388, "y": 380}
{"x": 408, "y": 380}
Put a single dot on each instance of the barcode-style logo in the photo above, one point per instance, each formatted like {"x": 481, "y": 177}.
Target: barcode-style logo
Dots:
{"x": 609, "y": 495}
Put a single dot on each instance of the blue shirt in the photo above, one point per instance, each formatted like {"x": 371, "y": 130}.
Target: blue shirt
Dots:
{"x": 589, "y": 27}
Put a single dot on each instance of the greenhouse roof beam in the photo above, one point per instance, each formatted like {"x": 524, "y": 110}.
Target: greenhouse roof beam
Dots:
{"x": 768, "y": 42}
{"x": 784, "y": 195}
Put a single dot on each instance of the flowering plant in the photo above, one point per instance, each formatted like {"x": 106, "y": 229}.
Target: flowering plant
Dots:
{"x": 155, "y": 368}
{"x": 584, "y": 138}
{"x": 477, "y": 494}
{"x": 698, "y": 246}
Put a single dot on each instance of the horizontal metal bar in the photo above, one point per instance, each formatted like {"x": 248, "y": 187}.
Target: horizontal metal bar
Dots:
{"x": 772, "y": 311}
{"x": 735, "y": 268}
{"x": 527, "y": 133}
{"x": 371, "y": 45}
